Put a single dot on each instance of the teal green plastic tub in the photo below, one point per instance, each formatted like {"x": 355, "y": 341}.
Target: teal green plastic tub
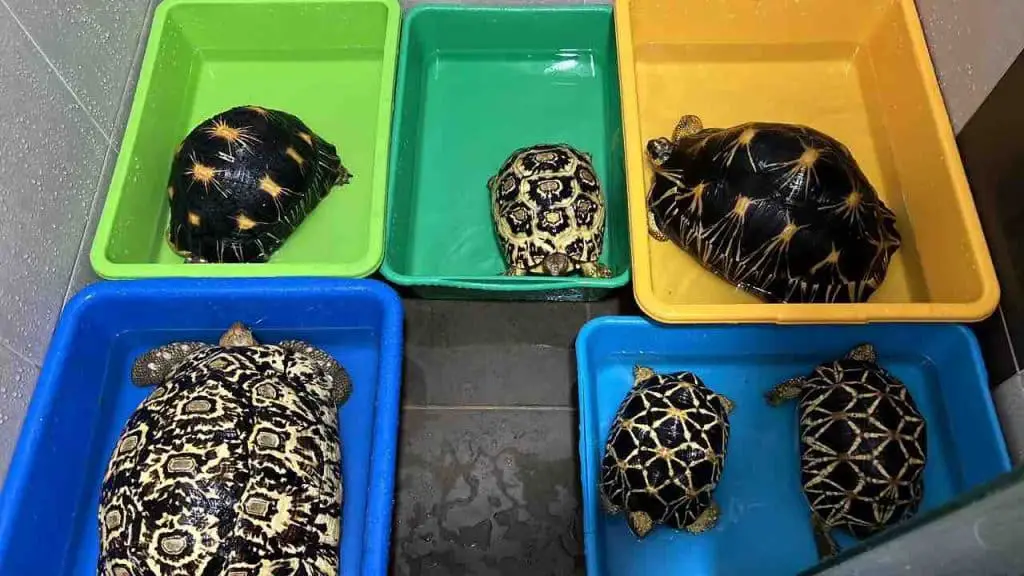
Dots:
{"x": 473, "y": 85}
{"x": 330, "y": 62}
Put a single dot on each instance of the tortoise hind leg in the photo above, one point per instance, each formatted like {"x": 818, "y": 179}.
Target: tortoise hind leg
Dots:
{"x": 653, "y": 230}
{"x": 706, "y": 521}
{"x": 154, "y": 366}
{"x": 823, "y": 541}
{"x": 607, "y": 504}
{"x": 340, "y": 380}
{"x": 640, "y": 523}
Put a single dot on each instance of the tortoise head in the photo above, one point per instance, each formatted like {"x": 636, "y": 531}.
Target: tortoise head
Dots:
{"x": 237, "y": 336}
{"x": 660, "y": 150}
{"x": 556, "y": 264}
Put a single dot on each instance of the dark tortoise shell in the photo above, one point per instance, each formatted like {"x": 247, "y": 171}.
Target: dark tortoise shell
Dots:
{"x": 863, "y": 446}
{"x": 549, "y": 212}
{"x": 665, "y": 453}
{"x": 231, "y": 466}
{"x": 242, "y": 181}
{"x": 782, "y": 211}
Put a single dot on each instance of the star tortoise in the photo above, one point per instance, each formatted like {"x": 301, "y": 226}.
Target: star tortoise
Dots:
{"x": 780, "y": 210}
{"x": 549, "y": 212}
{"x": 242, "y": 181}
{"x": 231, "y": 466}
{"x": 863, "y": 446}
{"x": 665, "y": 453}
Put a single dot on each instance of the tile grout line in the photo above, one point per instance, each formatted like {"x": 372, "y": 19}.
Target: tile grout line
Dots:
{"x": 88, "y": 218}
{"x": 1009, "y": 341}
{"x": 56, "y": 72}
{"x": 125, "y": 105}
{"x": 18, "y": 355}
{"x": 486, "y": 408}
{"x": 113, "y": 150}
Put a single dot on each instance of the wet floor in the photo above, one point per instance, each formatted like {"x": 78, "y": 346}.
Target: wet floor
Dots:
{"x": 488, "y": 471}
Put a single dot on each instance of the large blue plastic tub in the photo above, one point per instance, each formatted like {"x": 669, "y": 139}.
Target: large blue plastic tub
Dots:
{"x": 84, "y": 397}
{"x": 765, "y": 527}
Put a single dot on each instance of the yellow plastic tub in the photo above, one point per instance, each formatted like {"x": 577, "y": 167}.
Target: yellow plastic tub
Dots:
{"x": 859, "y": 71}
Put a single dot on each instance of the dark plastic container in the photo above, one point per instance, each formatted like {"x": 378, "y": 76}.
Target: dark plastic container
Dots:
{"x": 765, "y": 523}
{"x": 49, "y": 504}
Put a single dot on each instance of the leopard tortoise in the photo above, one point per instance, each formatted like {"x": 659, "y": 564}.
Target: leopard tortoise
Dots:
{"x": 549, "y": 212}
{"x": 665, "y": 453}
{"x": 243, "y": 180}
{"x": 231, "y": 466}
{"x": 863, "y": 446}
{"x": 780, "y": 210}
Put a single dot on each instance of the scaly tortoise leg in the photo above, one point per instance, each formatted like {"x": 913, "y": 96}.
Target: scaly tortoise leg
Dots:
{"x": 824, "y": 543}
{"x": 864, "y": 353}
{"x": 784, "y": 392}
{"x": 653, "y": 230}
{"x": 595, "y": 270}
{"x": 706, "y": 521}
{"x": 340, "y": 380}
{"x": 687, "y": 126}
{"x": 155, "y": 366}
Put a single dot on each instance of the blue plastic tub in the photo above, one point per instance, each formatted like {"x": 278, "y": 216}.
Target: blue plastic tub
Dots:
{"x": 84, "y": 397}
{"x": 765, "y": 527}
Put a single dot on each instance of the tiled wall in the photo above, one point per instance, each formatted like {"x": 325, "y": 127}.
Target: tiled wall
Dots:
{"x": 972, "y": 43}
{"x": 66, "y": 79}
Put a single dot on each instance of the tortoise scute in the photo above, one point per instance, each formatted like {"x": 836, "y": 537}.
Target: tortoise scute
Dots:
{"x": 780, "y": 210}
{"x": 546, "y": 201}
{"x": 665, "y": 453}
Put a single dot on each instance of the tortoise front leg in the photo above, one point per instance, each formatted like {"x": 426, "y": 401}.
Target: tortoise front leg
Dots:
{"x": 788, "y": 390}
{"x": 514, "y": 271}
{"x": 706, "y": 521}
{"x": 341, "y": 383}
{"x": 155, "y": 366}
{"x": 595, "y": 270}
{"x": 653, "y": 230}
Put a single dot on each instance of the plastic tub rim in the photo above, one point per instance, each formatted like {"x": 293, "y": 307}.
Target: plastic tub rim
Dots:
{"x": 980, "y": 308}
{"x": 383, "y": 449}
{"x": 106, "y": 268}
{"x": 493, "y": 283}
{"x": 583, "y": 385}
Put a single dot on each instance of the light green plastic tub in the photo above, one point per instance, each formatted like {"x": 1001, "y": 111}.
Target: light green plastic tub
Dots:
{"x": 474, "y": 84}
{"x": 330, "y": 62}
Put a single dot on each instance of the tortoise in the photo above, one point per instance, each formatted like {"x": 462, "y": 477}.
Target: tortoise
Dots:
{"x": 782, "y": 211}
{"x": 548, "y": 212}
{"x": 243, "y": 180}
{"x": 665, "y": 453}
{"x": 232, "y": 465}
{"x": 863, "y": 446}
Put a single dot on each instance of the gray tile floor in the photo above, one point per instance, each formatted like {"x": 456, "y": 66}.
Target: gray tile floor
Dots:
{"x": 488, "y": 478}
